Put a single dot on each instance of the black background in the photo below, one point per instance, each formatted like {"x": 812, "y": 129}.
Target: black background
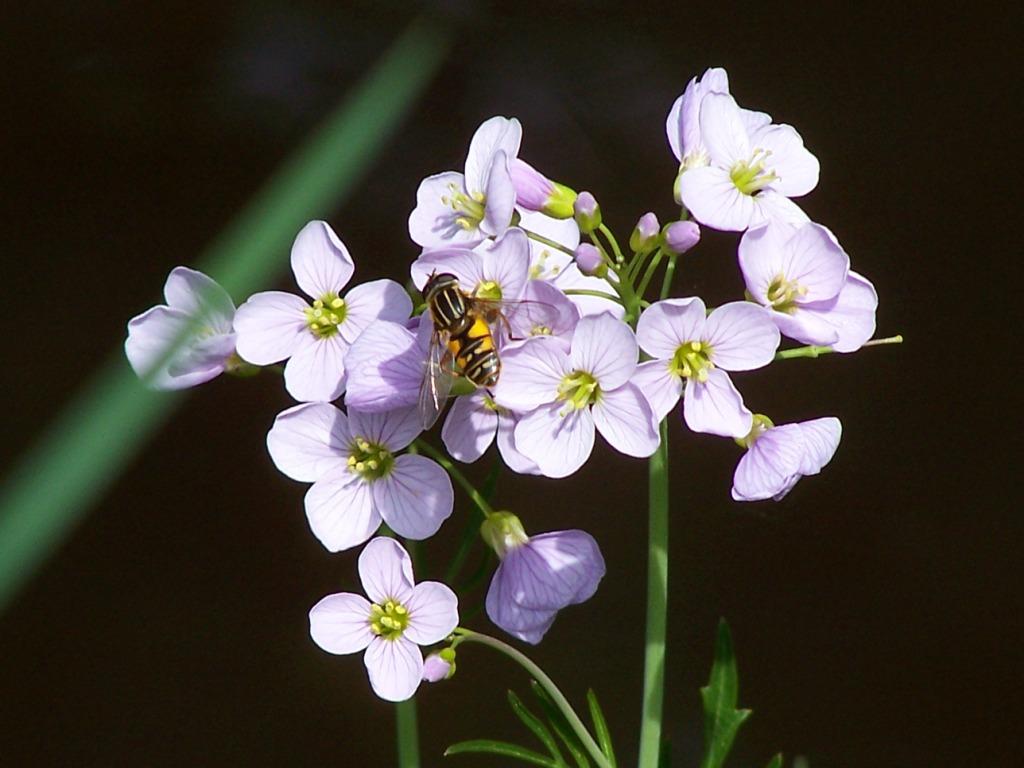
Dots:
{"x": 875, "y": 611}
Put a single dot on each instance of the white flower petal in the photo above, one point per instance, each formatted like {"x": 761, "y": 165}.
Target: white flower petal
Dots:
{"x": 316, "y": 370}
{"x": 197, "y": 295}
{"x": 821, "y": 439}
{"x": 151, "y": 335}
{"x": 320, "y": 261}
{"x": 606, "y": 348}
{"x": 394, "y": 429}
{"x": 498, "y": 134}
{"x": 716, "y": 407}
{"x": 769, "y": 205}
{"x": 340, "y": 623}
{"x": 714, "y": 200}
{"x": 469, "y": 429}
{"x": 513, "y": 459}
{"x": 851, "y": 314}
{"x": 742, "y": 336}
{"x": 660, "y": 387}
{"x": 723, "y": 131}
{"x": 500, "y": 196}
{"x": 814, "y": 259}
{"x": 531, "y": 373}
{"x": 385, "y": 570}
{"x": 415, "y": 498}
{"x": 771, "y": 466}
{"x": 340, "y": 510}
{"x": 395, "y": 668}
{"x": 433, "y": 613}
{"x": 558, "y": 445}
{"x": 308, "y": 441}
{"x": 269, "y": 326}
{"x": 668, "y": 324}
{"x": 376, "y": 300}
{"x": 507, "y": 263}
{"x": 466, "y": 264}
{"x": 386, "y": 367}
{"x": 625, "y": 419}
{"x": 795, "y": 166}
{"x": 433, "y": 223}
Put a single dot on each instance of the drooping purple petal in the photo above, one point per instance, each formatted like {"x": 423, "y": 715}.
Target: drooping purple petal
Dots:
{"x": 340, "y": 623}
{"x": 395, "y": 668}
{"x": 851, "y": 314}
{"x": 151, "y": 335}
{"x": 469, "y": 428}
{"x": 554, "y": 570}
{"x": 386, "y": 367}
{"x": 668, "y": 324}
{"x": 625, "y": 419}
{"x": 308, "y": 441}
{"x": 659, "y": 386}
{"x": 557, "y": 444}
{"x": 340, "y": 510}
{"x": 269, "y": 326}
{"x": 606, "y": 348}
{"x": 320, "y": 261}
{"x": 821, "y": 439}
{"x": 769, "y": 468}
{"x": 376, "y": 300}
{"x": 715, "y": 406}
{"x": 385, "y": 571}
{"x": 742, "y": 336}
{"x": 316, "y": 370}
{"x": 527, "y": 624}
{"x": 415, "y": 498}
{"x": 198, "y": 295}
{"x": 433, "y": 613}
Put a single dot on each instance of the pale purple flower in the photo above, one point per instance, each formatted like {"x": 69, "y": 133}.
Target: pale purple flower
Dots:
{"x": 439, "y": 665}
{"x": 569, "y": 392}
{"x": 681, "y": 236}
{"x": 538, "y": 575}
{"x": 197, "y": 319}
{"x": 399, "y": 617}
{"x": 777, "y": 457}
{"x": 536, "y": 192}
{"x": 274, "y": 325}
{"x": 358, "y": 478}
{"x": 752, "y": 170}
{"x": 464, "y": 209}
{"x": 802, "y": 275}
{"x": 494, "y": 270}
{"x": 387, "y": 364}
{"x": 694, "y": 350}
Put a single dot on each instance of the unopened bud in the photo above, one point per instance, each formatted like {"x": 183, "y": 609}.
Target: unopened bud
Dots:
{"x": 681, "y": 236}
{"x": 590, "y": 261}
{"x": 645, "y": 234}
{"x": 439, "y": 665}
{"x": 587, "y": 212}
{"x": 536, "y": 192}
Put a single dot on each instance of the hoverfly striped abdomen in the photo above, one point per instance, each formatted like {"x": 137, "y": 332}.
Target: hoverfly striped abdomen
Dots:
{"x": 470, "y": 341}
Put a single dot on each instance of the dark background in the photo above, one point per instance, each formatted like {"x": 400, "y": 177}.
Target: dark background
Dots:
{"x": 875, "y": 611}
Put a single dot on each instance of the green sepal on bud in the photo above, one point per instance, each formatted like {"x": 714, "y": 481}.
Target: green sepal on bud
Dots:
{"x": 646, "y": 234}
{"x": 559, "y": 204}
{"x": 502, "y": 531}
{"x": 236, "y": 366}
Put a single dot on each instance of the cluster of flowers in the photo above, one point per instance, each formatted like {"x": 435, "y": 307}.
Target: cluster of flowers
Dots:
{"x": 570, "y": 356}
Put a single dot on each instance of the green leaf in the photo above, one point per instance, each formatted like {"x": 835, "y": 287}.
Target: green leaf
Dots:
{"x": 534, "y": 723}
{"x": 604, "y": 736}
{"x": 776, "y": 762}
{"x": 561, "y": 726}
{"x": 502, "y": 748}
{"x": 721, "y": 718}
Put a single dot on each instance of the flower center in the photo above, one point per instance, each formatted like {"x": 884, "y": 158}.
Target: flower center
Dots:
{"x": 750, "y": 176}
{"x": 389, "y": 620}
{"x": 326, "y": 314}
{"x": 578, "y": 389}
{"x": 540, "y": 270}
{"x": 692, "y": 361}
{"x": 470, "y": 208}
{"x": 371, "y": 460}
{"x": 488, "y": 289}
{"x": 760, "y": 425}
{"x": 782, "y": 294}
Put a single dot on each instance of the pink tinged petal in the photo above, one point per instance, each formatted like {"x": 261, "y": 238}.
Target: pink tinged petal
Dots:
{"x": 395, "y": 668}
{"x": 625, "y": 419}
{"x": 716, "y": 407}
{"x": 507, "y": 263}
{"x": 340, "y": 510}
{"x": 557, "y": 444}
{"x": 433, "y": 223}
{"x": 433, "y": 613}
{"x": 415, "y": 498}
{"x": 531, "y": 373}
{"x": 795, "y": 166}
{"x": 199, "y": 296}
{"x": 376, "y": 300}
{"x": 810, "y": 327}
{"x": 150, "y": 336}
{"x": 659, "y": 386}
{"x": 340, "y": 623}
{"x": 666, "y": 325}
{"x": 498, "y": 134}
{"x": 386, "y": 365}
{"x": 556, "y": 569}
{"x": 270, "y": 326}
{"x": 500, "y": 198}
{"x": 814, "y": 259}
{"x": 469, "y": 429}
{"x": 772, "y": 206}
{"x": 316, "y": 370}
{"x": 385, "y": 570}
{"x": 821, "y": 439}
{"x": 742, "y": 336}
{"x": 771, "y": 466}
{"x": 606, "y": 348}
{"x": 713, "y": 199}
{"x": 851, "y": 314}
{"x": 527, "y": 624}
{"x": 320, "y": 260}
{"x": 466, "y": 264}
{"x": 308, "y": 441}
{"x": 723, "y": 131}
{"x": 513, "y": 459}
{"x": 394, "y": 429}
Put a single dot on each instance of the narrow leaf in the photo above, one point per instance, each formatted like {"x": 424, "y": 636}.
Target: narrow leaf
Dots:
{"x": 561, "y": 726}
{"x": 721, "y": 718}
{"x": 604, "y": 736}
{"x": 535, "y": 724}
{"x": 776, "y": 761}
{"x": 502, "y": 748}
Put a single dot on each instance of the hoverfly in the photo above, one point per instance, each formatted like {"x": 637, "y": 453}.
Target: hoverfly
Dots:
{"x": 463, "y": 342}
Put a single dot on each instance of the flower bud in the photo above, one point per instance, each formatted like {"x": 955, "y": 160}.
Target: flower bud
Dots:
{"x": 439, "y": 665}
{"x": 536, "y": 192}
{"x": 590, "y": 261}
{"x": 681, "y": 236}
{"x": 645, "y": 234}
{"x": 587, "y": 212}
{"x": 502, "y": 531}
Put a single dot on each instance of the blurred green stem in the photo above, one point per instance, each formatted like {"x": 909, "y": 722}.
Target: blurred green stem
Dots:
{"x": 407, "y": 734}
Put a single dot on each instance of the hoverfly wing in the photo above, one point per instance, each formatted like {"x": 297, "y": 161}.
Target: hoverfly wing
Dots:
{"x": 517, "y": 320}
{"x": 437, "y": 381}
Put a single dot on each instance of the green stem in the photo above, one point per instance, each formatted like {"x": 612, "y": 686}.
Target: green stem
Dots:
{"x": 538, "y": 674}
{"x": 611, "y": 241}
{"x": 588, "y": 292}
{"x": 407, "y": 734}
{"x": 670, "y": 271}
{"x": 549, "y": 242}
{"x": 456, "y": 474}
{"x": 649, "y": 272}
{"x": 813, "y": 350}
{"x": 657, "y": 603}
